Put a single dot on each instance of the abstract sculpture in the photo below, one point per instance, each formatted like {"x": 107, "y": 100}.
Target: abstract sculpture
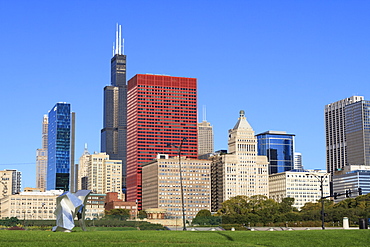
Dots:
{"x": 68, "y": 206}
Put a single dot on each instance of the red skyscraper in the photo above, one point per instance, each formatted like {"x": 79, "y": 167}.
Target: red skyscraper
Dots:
{"x": 161, "y": 111}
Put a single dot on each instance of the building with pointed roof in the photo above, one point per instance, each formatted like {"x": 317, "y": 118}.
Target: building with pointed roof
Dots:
{"x": 240, "y": 171}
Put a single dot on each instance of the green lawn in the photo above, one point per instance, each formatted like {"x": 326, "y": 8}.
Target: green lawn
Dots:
{"x": 172, "y": 238}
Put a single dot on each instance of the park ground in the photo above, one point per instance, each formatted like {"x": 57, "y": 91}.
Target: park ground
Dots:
{"x": 95, "y": 237}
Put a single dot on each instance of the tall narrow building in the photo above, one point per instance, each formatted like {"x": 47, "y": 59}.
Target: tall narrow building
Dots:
{"x": 278, "y": 146}
{"x": 114, "y": 132}
{"x": 205, "y": 138}
{"x": 357, "y": 128}
{"x": 59, "y": 147}
{"x": 335, "y": 130}
{"x": 42, "y": 156}
{"x": 161, "y": 112}
{"x": 298, "y": 165}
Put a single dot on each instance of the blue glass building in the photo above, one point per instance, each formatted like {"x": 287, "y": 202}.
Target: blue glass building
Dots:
{"x": 59, "y": 147}
{"x": 278, "y": 146}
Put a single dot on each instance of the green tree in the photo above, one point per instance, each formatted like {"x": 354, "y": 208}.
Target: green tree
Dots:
{"x": 204, "y": 217}
{"x": 142, "y": 214}
{"x": 118, "y": 213}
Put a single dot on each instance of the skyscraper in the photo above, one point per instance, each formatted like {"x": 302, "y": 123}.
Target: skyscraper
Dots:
{"x": 161, "y": 111}
{"x": 357, "y": 127}
{"x": 205, "y": 138}
{"x": 114, "y": 132}
{"x": 336, "y": 144}
{"x": 240, "y": 171}
{"x": 59, "y": 147}
{"x": 42, "y": 156}
{"x": 278, "y": 146}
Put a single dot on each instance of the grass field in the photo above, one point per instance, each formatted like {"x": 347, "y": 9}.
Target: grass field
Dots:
{"x": 172, "y": 238}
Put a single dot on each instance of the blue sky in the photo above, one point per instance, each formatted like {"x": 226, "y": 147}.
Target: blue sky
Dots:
{"x": 280, "y": 61}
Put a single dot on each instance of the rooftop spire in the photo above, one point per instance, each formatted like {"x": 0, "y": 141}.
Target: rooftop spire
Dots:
{"x": 118, "y": 45}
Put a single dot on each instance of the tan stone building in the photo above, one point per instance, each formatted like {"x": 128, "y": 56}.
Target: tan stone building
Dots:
{"x": 161, "y": 185}
{"x": 205, "y": 138}
{"x": 42, "y": 156}
{"x": 99, "y": 174}
{"x": 30, "y": 205}
{"x": 302, "y": 185}
{"x": 10, "y": 182}
{"x": 240, "y": 171}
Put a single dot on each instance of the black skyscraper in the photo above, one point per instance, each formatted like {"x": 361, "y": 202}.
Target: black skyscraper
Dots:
{"x": 114, "y": 132}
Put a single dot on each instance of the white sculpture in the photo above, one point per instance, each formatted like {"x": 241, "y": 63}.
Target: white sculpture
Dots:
{"x": 68, "y": 206}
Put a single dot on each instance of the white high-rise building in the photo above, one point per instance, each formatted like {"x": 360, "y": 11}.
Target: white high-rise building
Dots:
{"x": 42, "y": 156}
{"x": 240, "y": 171}
{"x": 336, "y": 142}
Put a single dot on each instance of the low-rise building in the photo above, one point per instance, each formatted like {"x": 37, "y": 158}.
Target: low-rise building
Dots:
{"x": 350, "y": 179}
{"x": 113, "y": 202}
{"x": 95, "y": 206}
{"x": 30, "y": 205}
{"x": 302, "y": 185}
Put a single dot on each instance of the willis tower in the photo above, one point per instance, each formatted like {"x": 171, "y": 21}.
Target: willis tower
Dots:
{"x": 114, "y": 132}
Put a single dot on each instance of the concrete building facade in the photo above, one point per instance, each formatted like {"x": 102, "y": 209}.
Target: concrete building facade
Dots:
{"x": 100, "y": 174}
{"x": 30, "y": 205}
{"x": 335, "y": 133}
{"x": 240, "y": 171}
{"x": 161, "y": 186}
{"x": 10, "y": 182}
{"x": 298, "y": 161}
{"x": 302, "y": 185}
{"x": 205, "y": 138}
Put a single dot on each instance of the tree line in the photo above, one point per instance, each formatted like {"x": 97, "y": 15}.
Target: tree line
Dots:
{"x": 260, "y": 210}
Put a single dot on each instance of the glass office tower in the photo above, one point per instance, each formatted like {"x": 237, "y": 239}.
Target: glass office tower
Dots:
{"x": 59, "y": 147}
{"x": 278, "y": 146}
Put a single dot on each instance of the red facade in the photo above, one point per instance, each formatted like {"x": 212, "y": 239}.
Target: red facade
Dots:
{"x": 161, "y": 111}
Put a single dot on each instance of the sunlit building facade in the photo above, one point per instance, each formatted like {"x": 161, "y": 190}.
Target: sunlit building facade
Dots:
{"x": 162, "y": 188}
{"x": 335, "y": 133}
{"x": 302, "y": 185}
{"x": 162, "y": 111}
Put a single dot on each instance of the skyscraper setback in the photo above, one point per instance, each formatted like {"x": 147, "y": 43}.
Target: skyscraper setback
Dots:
{"x": 161, "y": 111}
{"x": 114, "y": 132}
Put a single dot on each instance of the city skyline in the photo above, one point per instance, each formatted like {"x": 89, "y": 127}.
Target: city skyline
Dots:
{"x": 280, "y": 62}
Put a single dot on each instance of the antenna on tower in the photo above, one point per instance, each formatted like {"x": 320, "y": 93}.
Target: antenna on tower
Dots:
{"x": 204, "y": 113}
{"x": 118, "y": 45}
